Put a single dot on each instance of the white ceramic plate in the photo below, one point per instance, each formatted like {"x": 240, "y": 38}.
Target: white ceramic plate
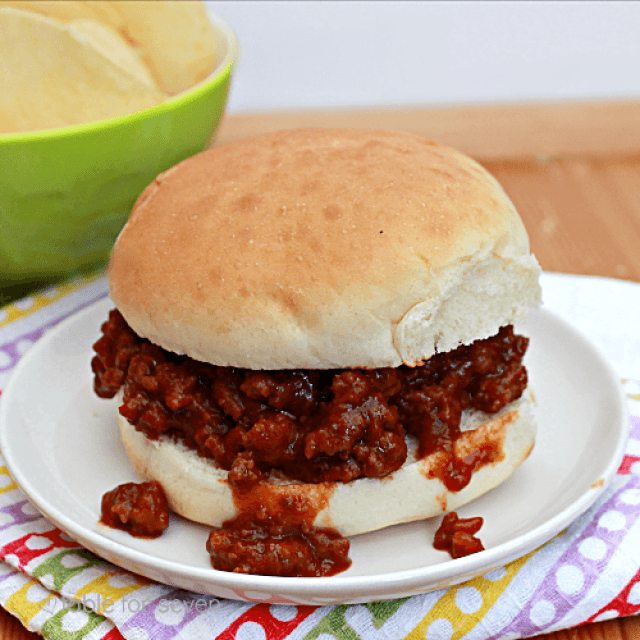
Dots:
{"x": 62, "y": 447}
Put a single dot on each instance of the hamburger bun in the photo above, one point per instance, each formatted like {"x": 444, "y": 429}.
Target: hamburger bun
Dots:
{"x": 327, "y": 249}
{"x": 322, "y": 249}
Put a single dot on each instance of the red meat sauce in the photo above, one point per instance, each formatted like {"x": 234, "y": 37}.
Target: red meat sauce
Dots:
{"x": 274, "y": 535}
{"x": 457, "y": 535}
{"x": 138, "y": 508}
{"x": 314, "y": 426}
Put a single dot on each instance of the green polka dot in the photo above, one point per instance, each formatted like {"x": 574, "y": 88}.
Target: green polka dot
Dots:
{"x": 62, "y": 574}
{"x": 59, "y": 627}
{"x": 335, "y": 625}
{"x": 382, "y": 611}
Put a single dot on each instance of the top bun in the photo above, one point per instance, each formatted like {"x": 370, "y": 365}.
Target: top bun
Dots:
{"x": 322, "y": 249}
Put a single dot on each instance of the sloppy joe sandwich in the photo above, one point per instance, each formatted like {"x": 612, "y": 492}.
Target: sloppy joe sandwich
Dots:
{"x": 315, "y": 328}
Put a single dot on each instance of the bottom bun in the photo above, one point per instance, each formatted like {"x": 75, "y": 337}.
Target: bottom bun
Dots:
{"x": 198, "y": 489}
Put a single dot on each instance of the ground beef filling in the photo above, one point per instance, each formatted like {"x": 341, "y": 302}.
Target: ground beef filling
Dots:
{"x": 277, "y": 538}
{"x": 312, "y": 425}
{"x": 457, "y": 536}
{"x": 138, "y": 508}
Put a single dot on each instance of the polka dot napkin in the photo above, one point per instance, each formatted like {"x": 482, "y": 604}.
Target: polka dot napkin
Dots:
{"x": 589, "y": 572}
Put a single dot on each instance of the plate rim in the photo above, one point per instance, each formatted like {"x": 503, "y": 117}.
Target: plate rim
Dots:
{"x": 339, "y": 588}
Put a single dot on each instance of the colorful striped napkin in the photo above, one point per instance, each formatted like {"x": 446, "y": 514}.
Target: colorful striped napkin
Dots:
{"x": 589, "y": 572}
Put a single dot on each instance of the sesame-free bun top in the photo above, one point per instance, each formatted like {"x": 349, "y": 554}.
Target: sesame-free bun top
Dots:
{"x": 322, "y": 249}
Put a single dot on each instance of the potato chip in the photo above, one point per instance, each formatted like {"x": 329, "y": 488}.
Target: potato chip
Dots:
{"x": 176, "y": 37}
{"x": 52, "y": 77}
{"x": 114, "y": 47}
{"x": 173, "y": 37}
{"x": 68, "y": 10}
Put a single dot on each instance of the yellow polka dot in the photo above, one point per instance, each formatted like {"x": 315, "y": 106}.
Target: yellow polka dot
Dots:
{"x": 21, "y": 605}
{"x": 24, "y": 307}
{"x": 465, "y": 604}
{"x": 114, "y": 585}
{"x": 6, "y": 481}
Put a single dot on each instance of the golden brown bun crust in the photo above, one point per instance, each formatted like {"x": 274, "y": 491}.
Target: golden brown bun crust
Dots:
{"x": 320, "y": 249}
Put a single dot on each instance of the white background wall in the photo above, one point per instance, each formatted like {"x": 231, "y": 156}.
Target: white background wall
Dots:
{"x": 304, "y": 54}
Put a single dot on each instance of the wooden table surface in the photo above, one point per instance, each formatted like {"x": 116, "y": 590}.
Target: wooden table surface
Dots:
{"x": 573, "y": 172}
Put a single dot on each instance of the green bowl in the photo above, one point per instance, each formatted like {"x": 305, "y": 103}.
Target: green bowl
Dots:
{"x": 66, "y": 193}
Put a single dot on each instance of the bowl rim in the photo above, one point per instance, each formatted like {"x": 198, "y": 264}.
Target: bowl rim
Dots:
{"x": 184, "y": 97}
